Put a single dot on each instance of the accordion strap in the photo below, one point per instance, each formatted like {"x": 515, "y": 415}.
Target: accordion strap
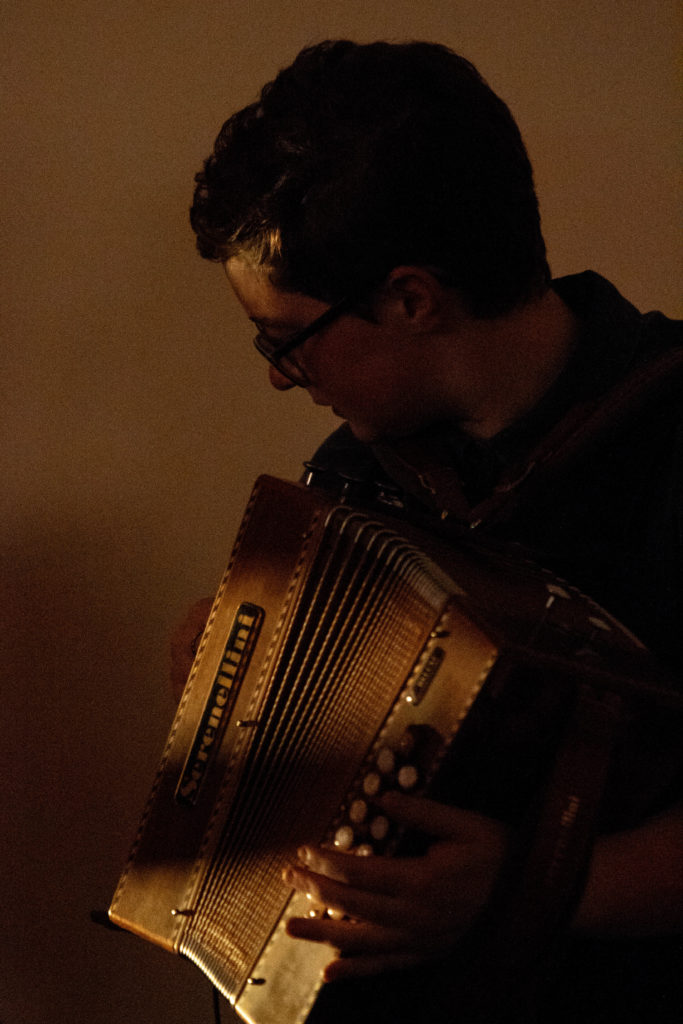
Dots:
{"x": 543, "y": 880}
{"x": 653, "y": 387}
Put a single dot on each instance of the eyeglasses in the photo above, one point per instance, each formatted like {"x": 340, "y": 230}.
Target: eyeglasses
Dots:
{"x": 278, "y": 352}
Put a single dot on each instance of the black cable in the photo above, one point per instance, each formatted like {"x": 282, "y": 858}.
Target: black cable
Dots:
{"x": 216, "y": 1006}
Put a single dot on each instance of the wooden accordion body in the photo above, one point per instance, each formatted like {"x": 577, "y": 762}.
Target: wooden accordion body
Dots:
{"x": 342, "y": 656}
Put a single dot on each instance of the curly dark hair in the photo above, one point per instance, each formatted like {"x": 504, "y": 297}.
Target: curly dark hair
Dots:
{"x": 359, "y": 158}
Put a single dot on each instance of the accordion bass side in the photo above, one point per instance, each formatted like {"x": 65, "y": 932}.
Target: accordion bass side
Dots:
{"x": 342, "y": 656}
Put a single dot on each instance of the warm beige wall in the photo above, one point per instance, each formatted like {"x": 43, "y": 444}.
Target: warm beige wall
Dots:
{"x": 136, "y": 416}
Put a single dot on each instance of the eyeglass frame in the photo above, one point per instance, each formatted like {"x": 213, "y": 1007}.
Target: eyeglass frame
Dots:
{"x": 296, "y": 374}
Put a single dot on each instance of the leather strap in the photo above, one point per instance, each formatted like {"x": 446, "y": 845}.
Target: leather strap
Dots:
{"x": 542, "y": 883}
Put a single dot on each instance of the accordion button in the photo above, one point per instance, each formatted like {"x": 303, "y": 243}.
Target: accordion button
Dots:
{"x": 364, "y": 850}
{"x": 407, "y": 776}
{"x": 343, "y": 837}
{"x": 371, "y": 784}
{"x": 379, "y": 827}
{"x": 358, "y": 811}
{"x": 386, "y": 760}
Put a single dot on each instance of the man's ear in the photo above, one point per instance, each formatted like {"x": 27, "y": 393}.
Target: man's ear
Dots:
{"x": 416, "y": 297}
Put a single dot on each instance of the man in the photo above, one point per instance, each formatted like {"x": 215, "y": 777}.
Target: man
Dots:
{"x": 376, "y": 216}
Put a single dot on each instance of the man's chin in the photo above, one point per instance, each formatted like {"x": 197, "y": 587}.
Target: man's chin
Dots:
{"x": 373, "y": 434}
{"x": 365, "y": 432}
{"x": 389, "y": 433}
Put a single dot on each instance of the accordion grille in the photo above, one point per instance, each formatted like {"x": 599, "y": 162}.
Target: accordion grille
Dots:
{"x": 341, "y": 655}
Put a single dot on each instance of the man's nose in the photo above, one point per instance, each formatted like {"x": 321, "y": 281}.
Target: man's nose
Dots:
{"x": 278, "y": 380}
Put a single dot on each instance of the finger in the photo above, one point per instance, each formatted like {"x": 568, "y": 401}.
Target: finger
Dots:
{"x": 362, "y": 949}
{"x": 433, "y": 818}
{"x": 377, "y": 874}
{"x": 350, "y": 938}
{"x": 366, "y": 905}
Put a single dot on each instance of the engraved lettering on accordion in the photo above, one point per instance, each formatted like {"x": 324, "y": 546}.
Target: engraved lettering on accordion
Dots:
{"x": 426, "y": 675}
{"x": 243, "y": 634}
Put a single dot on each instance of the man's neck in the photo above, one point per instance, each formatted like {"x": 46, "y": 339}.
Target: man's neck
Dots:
{"x": 521, "y": 355}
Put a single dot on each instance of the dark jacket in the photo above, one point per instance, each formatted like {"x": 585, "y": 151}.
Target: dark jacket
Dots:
{"x": 590, "y": 485}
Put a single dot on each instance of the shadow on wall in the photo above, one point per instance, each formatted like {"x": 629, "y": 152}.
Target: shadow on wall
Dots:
{"x": 85, "y": 688}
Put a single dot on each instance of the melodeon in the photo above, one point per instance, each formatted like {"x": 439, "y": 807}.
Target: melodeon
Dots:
{"x": 347, "y": 653}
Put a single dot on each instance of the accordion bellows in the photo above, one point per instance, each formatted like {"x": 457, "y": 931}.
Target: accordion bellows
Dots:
{"x": 341, "y": 657}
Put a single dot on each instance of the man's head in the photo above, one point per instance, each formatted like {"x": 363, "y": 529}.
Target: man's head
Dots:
{"x": 361, "y": 158}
